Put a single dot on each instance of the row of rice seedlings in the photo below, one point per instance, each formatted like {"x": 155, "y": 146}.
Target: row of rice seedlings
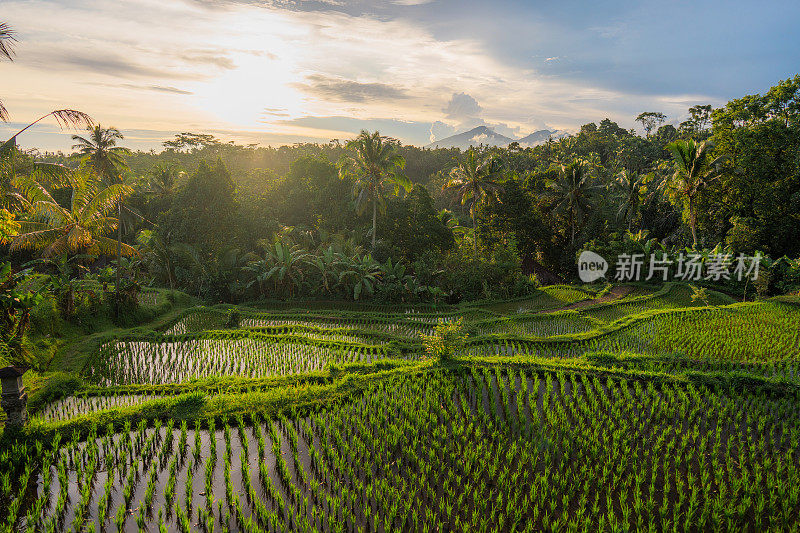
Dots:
{"x": 566, "y": 294}
{"x": 483, "y": 451}
{"x": 677, "y": 363}
{"x": 536, "y": 325}
{"x": 77, "y": 405}
{"x": 128, "y": 362}
{"x": 204, "y": 320}
{"x": 755, "y": 333}
{"x": 541, "y": 430}
{"x": 751, "y": 332}
{"x": 672, "y": 296}
{"x": 541, "y": 302}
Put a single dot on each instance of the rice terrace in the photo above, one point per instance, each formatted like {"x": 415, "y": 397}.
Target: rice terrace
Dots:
{"x": 399, "y": 266}
{"x": 635, "y": 412}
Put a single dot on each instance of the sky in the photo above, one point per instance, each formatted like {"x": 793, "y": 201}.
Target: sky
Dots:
{"x": 284, "y": 71}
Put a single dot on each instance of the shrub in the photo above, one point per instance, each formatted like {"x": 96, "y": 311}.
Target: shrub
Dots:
{"x": 45, "y": 316}
{"x": 448, "y": 338}
{"x": 232, "y": 319}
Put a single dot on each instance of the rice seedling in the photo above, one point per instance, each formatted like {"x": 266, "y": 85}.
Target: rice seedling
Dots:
{"x": 472, "y": 450}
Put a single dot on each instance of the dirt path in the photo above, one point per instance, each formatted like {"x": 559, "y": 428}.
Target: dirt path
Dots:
{"x": 616, "y": 292}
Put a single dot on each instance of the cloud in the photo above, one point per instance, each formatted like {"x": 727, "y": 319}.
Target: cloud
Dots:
{"x": 441, "y": 66}
{"x": 345, "y": 90}
{"x": 461, "y": 107}
{"x": 98, "y": 62}
{"x": 275, "y": 112}
{"x": 157, "y": 88}
{"x": 343, "y": 127}
{"x": 440, "y": 130}
{"x": 207, "y": 57}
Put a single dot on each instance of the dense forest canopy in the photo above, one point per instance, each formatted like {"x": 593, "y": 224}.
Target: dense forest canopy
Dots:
{"x": 362, "y": 218}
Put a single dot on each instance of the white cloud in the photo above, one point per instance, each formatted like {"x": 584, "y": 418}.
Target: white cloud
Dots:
{"x": 440, "y": 130}
{"x": 411, "y": 2}
{"x": 462, "y": 107}
{"x": 138, "y": 65}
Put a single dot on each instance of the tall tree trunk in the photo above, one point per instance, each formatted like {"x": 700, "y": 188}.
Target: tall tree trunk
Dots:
{"x": 374, "y": 220}
{"x": 474, "y": 235}
{"x": 693, "y": 222}
{"x": 572, "y": 227}
{"x": 119, "y": 256}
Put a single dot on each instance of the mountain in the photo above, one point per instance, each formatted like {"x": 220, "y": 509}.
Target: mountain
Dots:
{"x": 538, "y": 137}
{"x": 488, "y": 137}
{"x": 473, "y": 137}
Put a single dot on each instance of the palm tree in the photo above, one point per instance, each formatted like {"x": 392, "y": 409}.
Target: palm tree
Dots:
{"x": 375, "y": 166}
{"x": 101, "y": 153}
{"x": 573, "y": 192}
{"x": 159, "y": 256}
{"x": 473, "y": 182}
{"x": 79, "y": 228}
{"x": 6, "y": 41}
{"x": 64, "y": 117}
{"x": 161, "y": 181}
{"x": 9, "y": 227}
{"x": 691, "y": 171}
{"x": 626, "y": 190}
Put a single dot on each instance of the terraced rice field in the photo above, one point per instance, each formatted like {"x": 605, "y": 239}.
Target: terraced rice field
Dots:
{"x": 479, "y": 450}
{"x": 645, "y": 411}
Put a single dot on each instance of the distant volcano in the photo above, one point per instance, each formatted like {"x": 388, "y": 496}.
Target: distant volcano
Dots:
{"x": 483, "y": 135}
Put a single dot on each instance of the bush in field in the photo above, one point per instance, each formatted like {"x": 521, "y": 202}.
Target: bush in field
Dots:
{"x": 232, "y": 319}
{"x": 699, "y": 294}
{"x": 448, "y": 338}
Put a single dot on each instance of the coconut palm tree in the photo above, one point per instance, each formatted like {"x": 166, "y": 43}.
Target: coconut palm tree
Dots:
{"x": 79, "y": 228}
{"x": 161, "y": 182}
{"x": 691, "y": 170}
{"x": 11, "y": 166}
{"x": 160, "y": 257}
{"x": 573, "y": 191}
{"x": 473, "y": 182}
{"x": 626, "y": 190}
{"x": 6, "y": 50}
{"x": 100, "y": 152}
{"x": 375, "y": 165}
{"x": 64, "y": 117}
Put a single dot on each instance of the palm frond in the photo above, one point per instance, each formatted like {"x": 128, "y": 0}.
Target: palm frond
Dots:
{"x": 50, "y": 173}
{"x": 32, "y": 190}
{"x": 58, "y": 247}
{"x": 106, "y": 246}
{"x": 71, "y": 118}
{"x": 7, "y": 41}
{"x": 34, "y": 240}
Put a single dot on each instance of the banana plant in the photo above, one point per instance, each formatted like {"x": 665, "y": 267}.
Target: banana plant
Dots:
{"x": 327, "y": 262}
{"x": 15, "y": 307}
{"x": 282, "y": 265}
{"x": 361, "y": 276}
{"x": 395, "y": 278}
